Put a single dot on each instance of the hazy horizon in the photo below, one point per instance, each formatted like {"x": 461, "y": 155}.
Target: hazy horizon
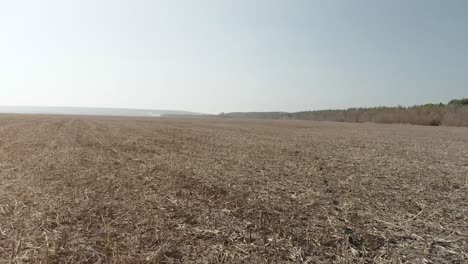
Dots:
{"x": 92, "y": 111}
{"x": 232, "y": 56}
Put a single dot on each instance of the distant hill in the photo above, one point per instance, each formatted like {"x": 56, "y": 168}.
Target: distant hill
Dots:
{"x": 455, "y": 113}
{"x": 93, "y": 111}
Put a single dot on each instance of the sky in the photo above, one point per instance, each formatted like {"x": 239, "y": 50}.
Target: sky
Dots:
{"x": 216, "y": 56}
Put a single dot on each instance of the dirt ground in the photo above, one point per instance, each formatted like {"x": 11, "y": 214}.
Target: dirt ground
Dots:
{"x": 135, "y": 190}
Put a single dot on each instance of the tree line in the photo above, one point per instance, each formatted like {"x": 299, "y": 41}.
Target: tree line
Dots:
{"x": 454, "y": 113}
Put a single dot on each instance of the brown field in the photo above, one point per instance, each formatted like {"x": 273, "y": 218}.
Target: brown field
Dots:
{"x": 135, "y": 190}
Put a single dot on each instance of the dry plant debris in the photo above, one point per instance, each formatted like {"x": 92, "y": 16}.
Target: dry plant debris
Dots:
{"x": 135, "y": 190}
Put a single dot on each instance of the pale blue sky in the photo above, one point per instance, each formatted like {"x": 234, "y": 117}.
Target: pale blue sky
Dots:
{"x": 238, "y": 55}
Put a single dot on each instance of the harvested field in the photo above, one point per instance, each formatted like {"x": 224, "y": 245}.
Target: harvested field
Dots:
{"x": 129, "y": 190}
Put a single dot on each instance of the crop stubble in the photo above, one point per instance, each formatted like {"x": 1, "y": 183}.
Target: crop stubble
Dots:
{"x": 136, "y": 190}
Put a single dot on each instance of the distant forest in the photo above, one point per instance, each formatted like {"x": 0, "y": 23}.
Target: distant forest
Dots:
{"x": 455, "y": 113}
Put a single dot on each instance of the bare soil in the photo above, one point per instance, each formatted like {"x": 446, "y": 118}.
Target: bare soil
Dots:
{"x": 135, "y": 190}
